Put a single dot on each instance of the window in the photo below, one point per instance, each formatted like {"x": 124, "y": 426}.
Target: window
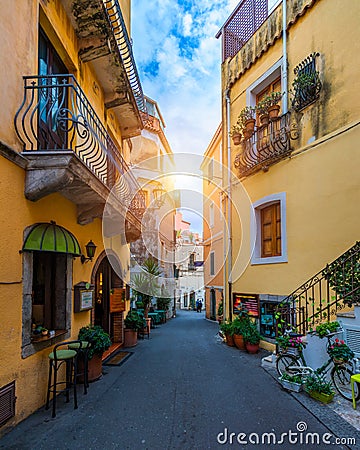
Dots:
{"x": 211, "y": 215}
{"x": 211, "y": 170}
{"x": 49, "y": 290}
{"x": 212, "y": 263}
{"x": 268, "y": 230}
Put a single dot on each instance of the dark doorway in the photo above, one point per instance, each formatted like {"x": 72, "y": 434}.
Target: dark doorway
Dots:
{"x": 212, "y": 304}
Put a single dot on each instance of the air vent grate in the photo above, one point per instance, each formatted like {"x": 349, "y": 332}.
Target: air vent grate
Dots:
{"x": 352, "y": 337}
{"x": 7, "y": 402}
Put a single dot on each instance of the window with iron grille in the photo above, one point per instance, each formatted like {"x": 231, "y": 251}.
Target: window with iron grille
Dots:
{"x": 306, "y": 86}
{"x": 7, "y": 402}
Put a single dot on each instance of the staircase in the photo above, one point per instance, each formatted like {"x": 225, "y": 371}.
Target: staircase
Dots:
{"x": 319, "y": 299}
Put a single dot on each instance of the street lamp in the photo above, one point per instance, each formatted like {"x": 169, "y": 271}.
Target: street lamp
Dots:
{"x": 90, "y": 252}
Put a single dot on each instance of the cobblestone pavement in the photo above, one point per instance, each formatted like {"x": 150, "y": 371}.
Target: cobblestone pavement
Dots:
{"x": 184, "y": 389}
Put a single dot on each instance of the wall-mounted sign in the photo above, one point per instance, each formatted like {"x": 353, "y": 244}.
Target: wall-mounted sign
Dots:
{"x": 250, "y": 302}
{"x": 84, "y": 294}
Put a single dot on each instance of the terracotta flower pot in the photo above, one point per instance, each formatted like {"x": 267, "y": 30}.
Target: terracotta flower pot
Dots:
{"x": 236, "y": 138}
{"x": 274, "y": 111}
{"x": 250, "y": 125}
{"x": 264, "y": 119}
{"x": 95, "y": 367}
{"x": 229, "y": 340}
{"x": 130, "y": 337}
{"x": 239, "y": 341}
{"x": 252, "y": 348}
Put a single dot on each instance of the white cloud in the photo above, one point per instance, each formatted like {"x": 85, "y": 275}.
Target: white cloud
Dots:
{"x": 179, "y": 61}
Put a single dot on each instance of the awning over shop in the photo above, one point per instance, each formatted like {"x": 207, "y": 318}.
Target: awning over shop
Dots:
{"x": 49, "y": 237}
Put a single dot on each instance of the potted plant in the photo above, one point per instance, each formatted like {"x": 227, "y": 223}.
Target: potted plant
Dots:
{"x": 246, "y": 121}
{"x": 262, "y": 108}
{"x": 133, "y": 323}
{"x": 272, "y": 100}
{"x": 318, "y": 388}
{"x": 235, "y": 134}
{"x": 251, "y": 337}
{"x": 228, "y": 330}
{"x": 100, "y": 341}
{"x": 340, "y": 352}
{"x": 326, "y": 328}
{"x": 239, "y": 328}
{"x": 291, "y": 382}
{"x": 290, "y": 344}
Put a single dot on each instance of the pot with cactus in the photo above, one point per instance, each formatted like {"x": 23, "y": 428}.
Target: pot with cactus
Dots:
{"x": 272, "y": 100}
{"x": 246, "y": 121}
{"x": 236, "y": 134}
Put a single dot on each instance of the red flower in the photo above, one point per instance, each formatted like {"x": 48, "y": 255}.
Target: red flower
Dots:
{"x": 342, "y": 342}
{"x": 336, "y": 340}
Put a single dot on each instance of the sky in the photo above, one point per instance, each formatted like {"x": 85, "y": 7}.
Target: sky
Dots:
{"x": 178, "y": 59}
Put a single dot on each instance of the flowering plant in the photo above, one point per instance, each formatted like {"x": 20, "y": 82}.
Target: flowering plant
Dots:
{"x": 339, "y": 350}
{"x": 287, "y": 341}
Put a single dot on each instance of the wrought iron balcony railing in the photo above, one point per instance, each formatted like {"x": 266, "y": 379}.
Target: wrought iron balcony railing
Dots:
{"x": 56, "y": 115}
{"x": 118, "y": 26}
{"x": 269, "y": 144}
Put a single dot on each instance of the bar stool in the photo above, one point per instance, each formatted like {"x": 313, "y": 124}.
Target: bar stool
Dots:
{"x": 58, "y": 358}
{"x": 82, "y": 350}
{"x": 354, "y": 379}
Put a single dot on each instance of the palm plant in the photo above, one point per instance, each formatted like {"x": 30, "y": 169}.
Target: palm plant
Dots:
{"x": 145, "y": 283}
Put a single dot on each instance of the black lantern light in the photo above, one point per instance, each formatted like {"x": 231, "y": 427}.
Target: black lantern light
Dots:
{"x": 90, "y": 252}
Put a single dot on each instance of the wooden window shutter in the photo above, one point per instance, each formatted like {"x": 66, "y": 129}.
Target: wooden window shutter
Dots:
{"x": 271, "y": 231}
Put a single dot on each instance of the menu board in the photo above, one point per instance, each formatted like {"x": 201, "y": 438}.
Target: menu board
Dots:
{"x": 250, "y": 302}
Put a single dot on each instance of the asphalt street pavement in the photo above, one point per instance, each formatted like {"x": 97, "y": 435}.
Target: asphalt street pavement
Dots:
{"x": 181, "y": 389}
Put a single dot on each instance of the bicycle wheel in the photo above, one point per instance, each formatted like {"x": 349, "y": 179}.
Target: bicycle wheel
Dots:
{"x": 340, "y": 376}
{"x": 284, "y": 361}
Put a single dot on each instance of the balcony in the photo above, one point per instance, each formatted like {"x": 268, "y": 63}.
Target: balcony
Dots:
{"x": 103, "y": 40}
{"x": 269, "y": 144}
{"x": 69, "y": 151}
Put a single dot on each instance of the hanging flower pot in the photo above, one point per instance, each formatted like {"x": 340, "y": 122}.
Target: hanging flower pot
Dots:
{"x": 247, "y": 134}
{"x": 264, "y": 119}
{"x": 236, "y": 137}
{"x": 250, "y": 125}
{"x": 274, "y": 111}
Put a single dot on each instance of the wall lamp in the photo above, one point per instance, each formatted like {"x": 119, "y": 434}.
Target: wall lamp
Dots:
{"x": 90, "y": 252}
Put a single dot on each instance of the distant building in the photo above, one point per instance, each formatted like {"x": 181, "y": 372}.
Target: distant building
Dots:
{"x": 189, "y": 263}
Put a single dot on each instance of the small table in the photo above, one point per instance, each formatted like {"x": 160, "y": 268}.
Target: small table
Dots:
{"x": 155, "y": 318}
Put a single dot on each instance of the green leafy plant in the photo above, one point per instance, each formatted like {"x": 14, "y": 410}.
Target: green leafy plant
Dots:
{"x": 291, "y": 378}
{"x": 240, "y": 325}
{"x": 146, "y": 283}
{"x": 227, "y": 328}
{"x": 305, "y": 80}
{"x": 251, "y": 333}
{"x": 163, "y": 303}
{"x": 134, "y": 321}
{"x": 340, "y": 351}
{"x": 246, "y": 114}
{"x": 220, "y": 310}
{"x": 285, "y": 341}
{"x": 315, "y": 382}
{"x": 325, "y": 328}
{"x": 98, "y": 338}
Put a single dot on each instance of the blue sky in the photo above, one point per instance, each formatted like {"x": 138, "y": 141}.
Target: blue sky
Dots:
{"x": 178, "y": 59}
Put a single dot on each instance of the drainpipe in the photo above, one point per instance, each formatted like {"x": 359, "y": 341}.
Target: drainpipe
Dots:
{"x": 284, "y": 64}
{"x": 228, "y": 190}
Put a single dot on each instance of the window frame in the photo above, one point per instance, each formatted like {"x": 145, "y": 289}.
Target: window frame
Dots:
{"x": 212, "y": 263}
{"x": 256, "y": 229}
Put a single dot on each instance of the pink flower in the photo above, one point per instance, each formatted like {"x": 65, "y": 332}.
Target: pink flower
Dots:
{"x": 342, "y": 342}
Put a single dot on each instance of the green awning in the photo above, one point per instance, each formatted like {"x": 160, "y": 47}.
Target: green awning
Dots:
{"x": 49, "y": 237}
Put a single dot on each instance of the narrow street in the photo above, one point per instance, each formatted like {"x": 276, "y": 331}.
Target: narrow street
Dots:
{"x": 171, "y": 394}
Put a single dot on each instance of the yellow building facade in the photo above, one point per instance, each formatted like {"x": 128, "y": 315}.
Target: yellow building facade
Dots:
{"x": 213, "y": 225}
{"x": 70, "y": 107}
{"x": 295, "y": 183}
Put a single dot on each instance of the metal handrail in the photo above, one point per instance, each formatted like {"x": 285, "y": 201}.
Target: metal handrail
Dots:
{"x": 55, "y": 114}
{"x": 327, "y": 292}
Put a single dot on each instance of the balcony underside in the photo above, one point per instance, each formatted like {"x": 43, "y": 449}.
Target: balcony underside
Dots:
{"x": 63, "y": 172}
{"x": 98, "y": 46}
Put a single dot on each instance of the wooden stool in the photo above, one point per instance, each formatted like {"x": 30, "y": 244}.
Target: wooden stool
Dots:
{"x": 354, "y": 379}
{"x": 56, "y": 359}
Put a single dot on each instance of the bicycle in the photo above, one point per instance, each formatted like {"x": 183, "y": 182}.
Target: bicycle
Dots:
{"x": 340, "y": 371}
